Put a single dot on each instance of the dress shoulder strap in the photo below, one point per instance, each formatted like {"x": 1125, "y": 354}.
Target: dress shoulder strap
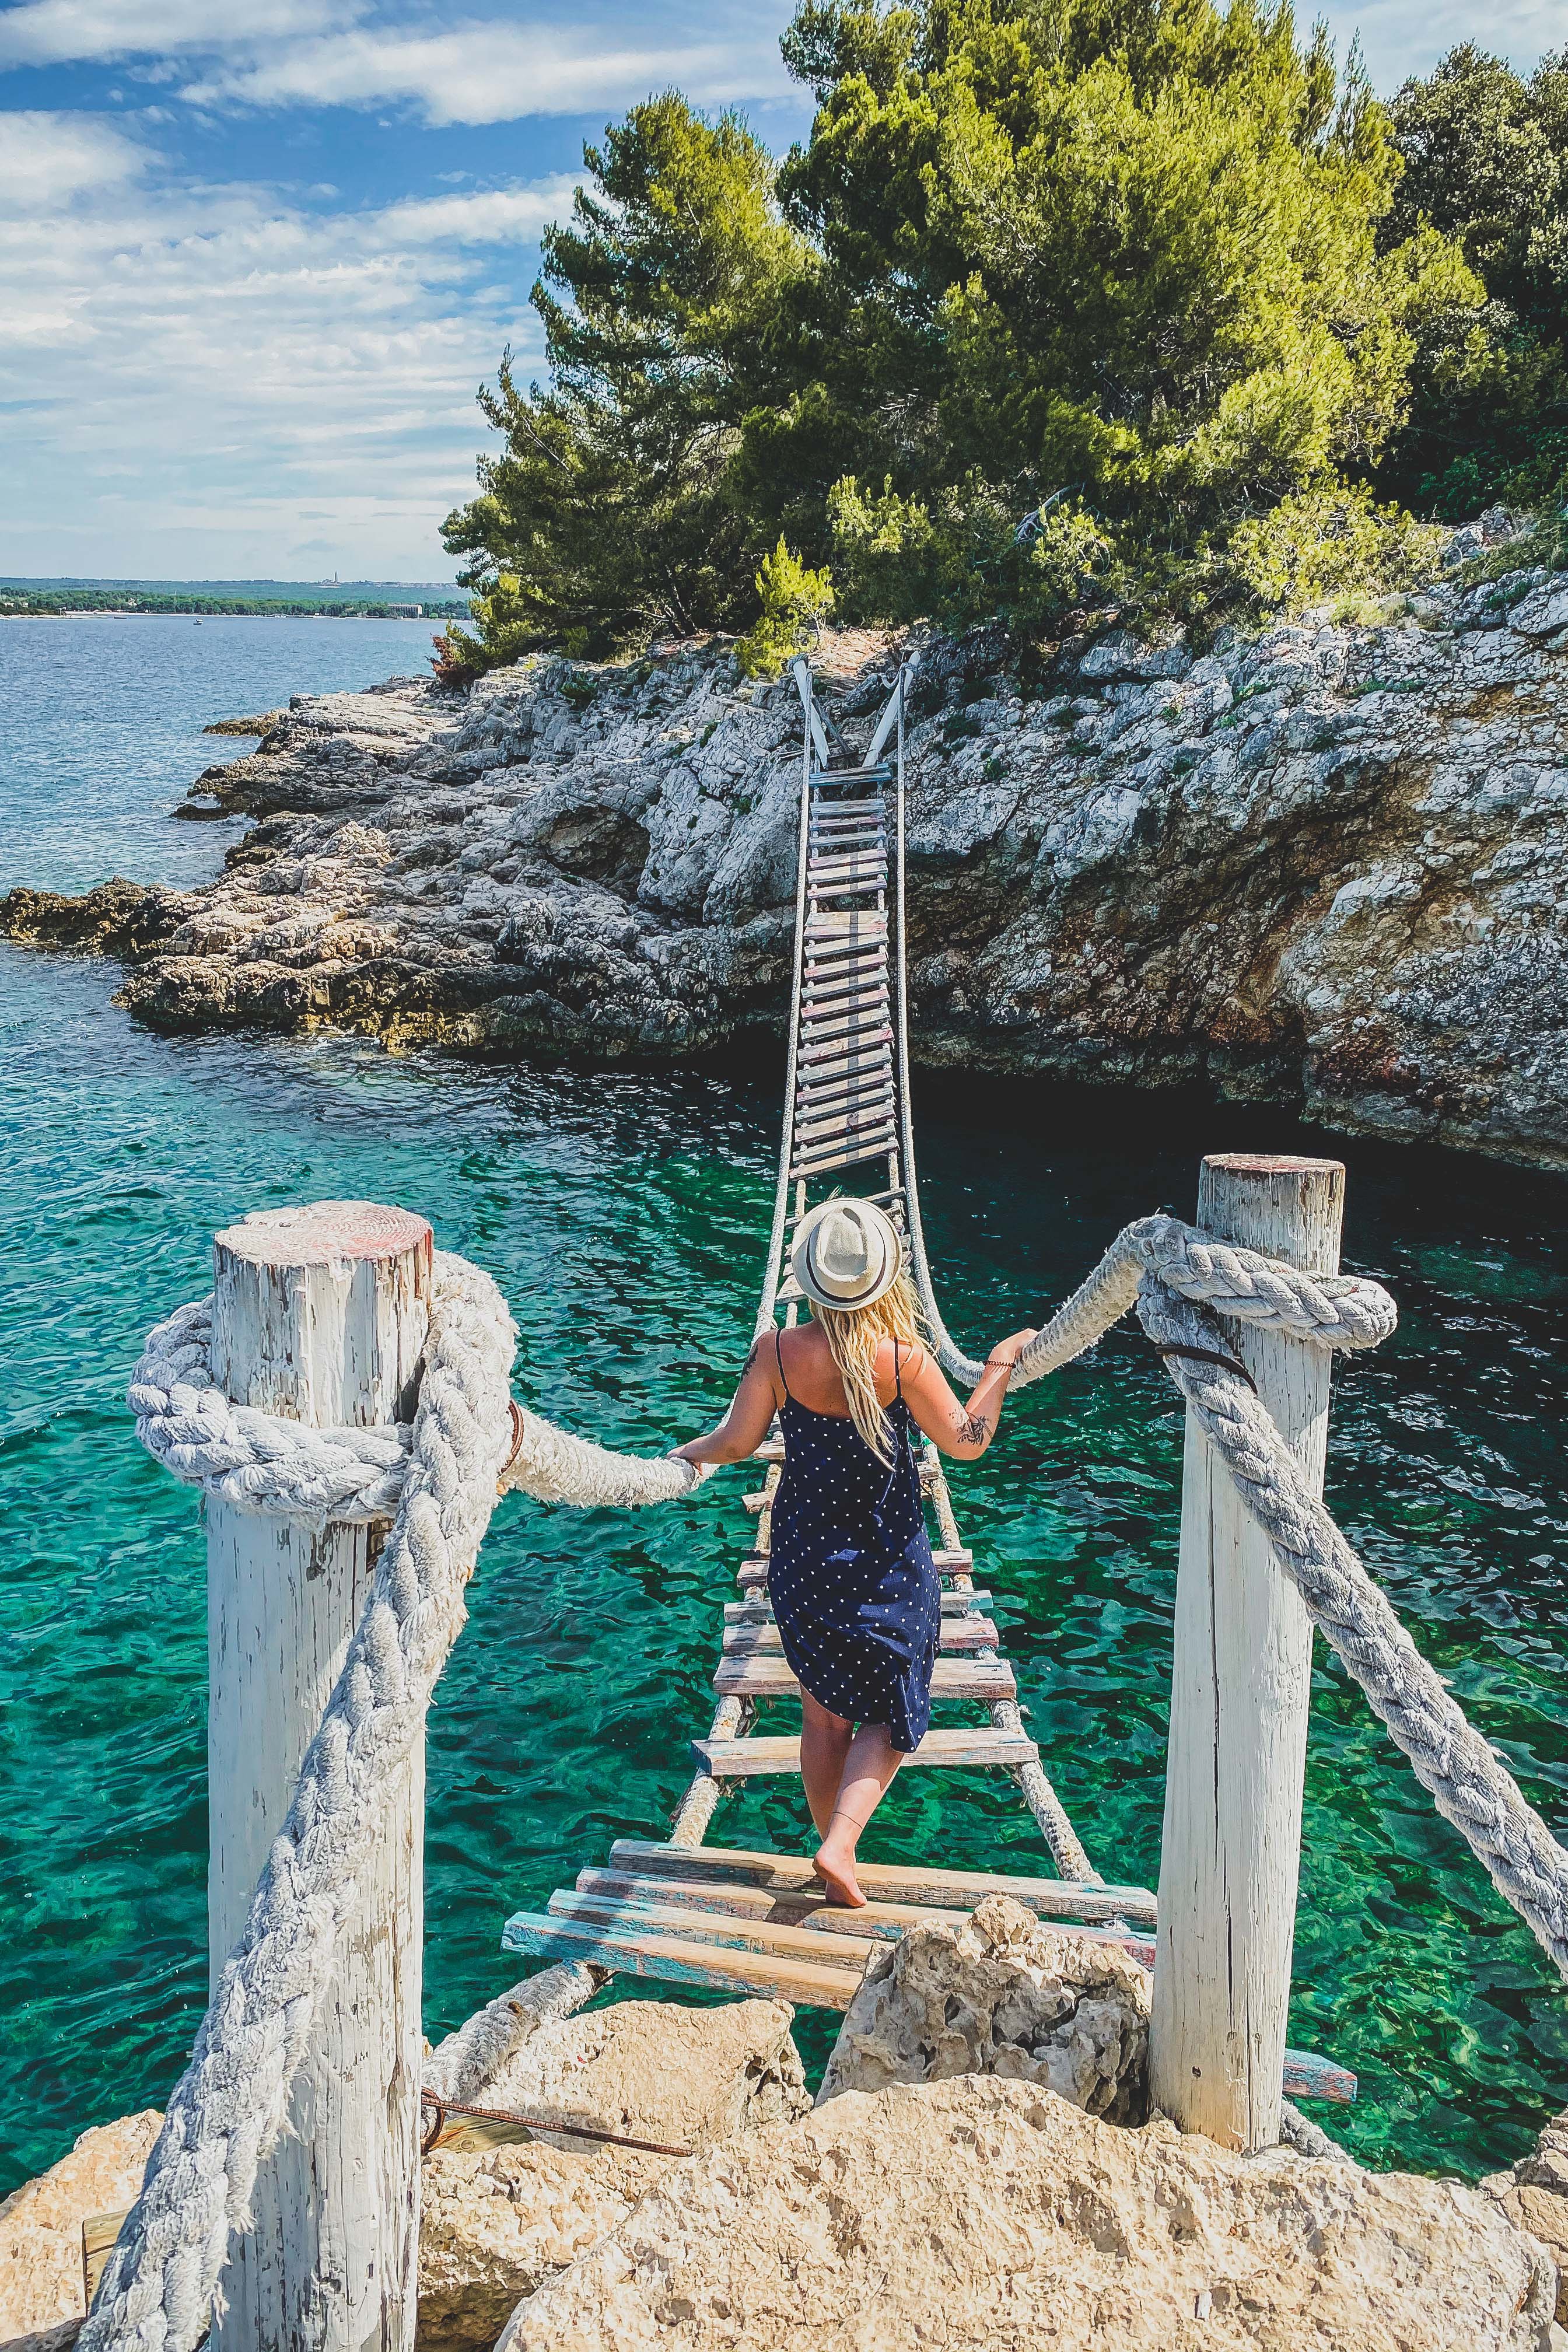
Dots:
{"x": 897, "y": 1374}
{"x": 778, "y": 1351}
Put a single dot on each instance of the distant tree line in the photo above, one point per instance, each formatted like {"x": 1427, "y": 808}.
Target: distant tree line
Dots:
{"x": 25, "y": 601}
{"x": 1062, "y": 303}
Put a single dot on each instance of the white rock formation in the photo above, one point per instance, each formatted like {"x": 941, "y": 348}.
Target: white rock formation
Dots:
{"x": 986, "y": 2216}
{"x": 655, "y": 2070}
{"x": 40, "y": 2225}
{"x": 1000, "y": 1995}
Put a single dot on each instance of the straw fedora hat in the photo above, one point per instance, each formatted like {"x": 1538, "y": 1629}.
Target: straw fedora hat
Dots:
{"x": 847, "y": 1254}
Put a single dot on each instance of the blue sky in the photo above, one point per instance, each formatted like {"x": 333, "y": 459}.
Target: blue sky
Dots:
{"x": 256, "y": 255}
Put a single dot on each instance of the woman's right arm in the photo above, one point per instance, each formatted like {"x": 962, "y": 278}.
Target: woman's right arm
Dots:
{"x": 964, "y": 1431}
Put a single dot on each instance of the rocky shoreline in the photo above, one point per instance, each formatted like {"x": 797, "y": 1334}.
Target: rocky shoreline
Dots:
{"x": 975, "y": 2172}
{"x": 1324, "y": 868}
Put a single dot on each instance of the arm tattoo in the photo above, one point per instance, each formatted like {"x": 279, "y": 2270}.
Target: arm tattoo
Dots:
{"x": 973, "y": 1429}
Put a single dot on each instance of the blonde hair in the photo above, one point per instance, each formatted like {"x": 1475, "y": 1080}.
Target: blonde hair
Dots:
{"x": 854, "y": 1334}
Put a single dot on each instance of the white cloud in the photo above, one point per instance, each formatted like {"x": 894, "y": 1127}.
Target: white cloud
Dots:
{"x": 46, "y": 160}
{"x": 1408, "y": 37}
{"x": 502, "y": 217}
{"x": 194, "y": 377}
{"x": 57, "y": 32}
{"x": 496, "y": 72}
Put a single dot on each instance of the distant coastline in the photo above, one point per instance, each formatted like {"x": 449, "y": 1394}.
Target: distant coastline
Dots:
{"x": 358, "y": 599}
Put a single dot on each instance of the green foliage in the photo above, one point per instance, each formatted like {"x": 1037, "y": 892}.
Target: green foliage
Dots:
{"x": 796, "y": 602}
{"x": 1088, "y": 287}
{"x": 1330, "y": 544}
{"x": 961, "y": 554}
{"x": 1486, "y": 165}
{"x": 607, "y": 514}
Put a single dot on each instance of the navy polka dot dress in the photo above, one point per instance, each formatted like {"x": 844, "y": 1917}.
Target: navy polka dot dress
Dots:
{"x": 854, "y": 1588}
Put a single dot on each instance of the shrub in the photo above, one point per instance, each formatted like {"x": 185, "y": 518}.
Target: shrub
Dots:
{"x": 795, "y": 603}
{"x": 1332, "y": 542}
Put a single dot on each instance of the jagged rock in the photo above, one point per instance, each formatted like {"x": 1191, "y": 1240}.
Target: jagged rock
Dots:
{"x": 494, "y": 2226}
{"x": 41, "y": 2301}
{"x": 996, "y": 2217}
{"x": 657, "y": 2070}
{"x": 1328, "y": 866}
{"x": 1000, "y": 1995}
{"x": 1535, "y": 2196}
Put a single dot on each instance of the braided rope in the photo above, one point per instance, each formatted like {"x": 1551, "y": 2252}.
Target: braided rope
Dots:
{"x": 1329, "y": 1310}
{"x": 265, "y": 1462}
{"x": 1464, "y": 1778}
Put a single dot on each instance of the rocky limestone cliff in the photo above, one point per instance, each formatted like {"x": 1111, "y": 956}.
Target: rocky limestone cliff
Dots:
{"x": 1325, "y": 867}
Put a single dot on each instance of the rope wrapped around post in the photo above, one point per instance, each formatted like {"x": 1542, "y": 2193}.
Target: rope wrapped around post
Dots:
{"x": 1182, "y": 1281}
{"x": 438, "y": 1479}
{"x": 263, "y": 1462}
{"x": 1333, "y": 1311}
{"x": 1462, "y": 1773}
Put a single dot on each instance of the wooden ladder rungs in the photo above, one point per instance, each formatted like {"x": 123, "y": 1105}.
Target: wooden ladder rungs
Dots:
{"x": 852, "y": 1154}
{"x": 833, "y": 1947}
{"x": 988, "y": 1679}
{"x": 958, "y": 1634}
{"x": 885, "y": 1922}
{"x": 956, "y": 1890}
{"x": 744, "y": 1759}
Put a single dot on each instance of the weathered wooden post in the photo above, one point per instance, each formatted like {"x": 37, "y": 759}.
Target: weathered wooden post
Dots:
{"x": 1239, "y": 1694}
{"x": 320, "y": 1314}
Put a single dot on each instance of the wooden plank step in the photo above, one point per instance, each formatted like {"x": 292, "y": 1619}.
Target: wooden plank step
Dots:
{"x": 807, "y": 1982}
{"x": 853, "y": 865}
{"x": 957, "y": 1635}
{"x": 987, "y": 1679}
{"x": 853, "y": 1154}
{"x": 829, "y": 995}
{"x": 858, "y": 1096}
{"x": 960, "y": 1559}
{"x": 883, "y": 1922}
{"x": 806, "y": 1907}
{"x": 844, "y": 886}
{"x": 856, "y": 1092}
{"x": 979, "y": 1748}
{"x": 853, "y": 928}
{"x": 757, "y": 1611}
{"x": 810, "y": 1140}
{"x": 870, "y": 1051}
{"x": 833, "y": 1947}
{"x": 867, "y": 1011}
{"x": 956, "y": 1890}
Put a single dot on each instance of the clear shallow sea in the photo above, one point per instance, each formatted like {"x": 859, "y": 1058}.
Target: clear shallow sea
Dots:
{"x": 623, "y": 1216}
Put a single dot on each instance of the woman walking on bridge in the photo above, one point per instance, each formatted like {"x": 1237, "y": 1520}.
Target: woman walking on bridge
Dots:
{"x": 855, "y": 1593}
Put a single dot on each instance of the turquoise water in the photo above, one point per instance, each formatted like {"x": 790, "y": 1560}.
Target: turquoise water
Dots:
{"x": 623, "y": 1215}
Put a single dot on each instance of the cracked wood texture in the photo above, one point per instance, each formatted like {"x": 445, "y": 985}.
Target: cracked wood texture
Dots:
{"x": 319, "y": 1314}
{"x": 1240, "y": 1685}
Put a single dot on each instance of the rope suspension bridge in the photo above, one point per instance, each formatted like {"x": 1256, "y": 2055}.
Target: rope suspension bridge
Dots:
{"x": 342, "y": 1399}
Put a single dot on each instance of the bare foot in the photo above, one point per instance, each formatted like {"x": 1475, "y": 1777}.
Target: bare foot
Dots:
{"x": 840, "y": 1882}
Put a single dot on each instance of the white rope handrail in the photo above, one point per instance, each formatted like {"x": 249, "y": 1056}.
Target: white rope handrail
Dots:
{"x": 1340, "y": 1310}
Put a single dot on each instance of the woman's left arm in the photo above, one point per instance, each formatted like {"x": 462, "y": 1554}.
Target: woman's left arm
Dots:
{"x": 746, "y": 1425}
